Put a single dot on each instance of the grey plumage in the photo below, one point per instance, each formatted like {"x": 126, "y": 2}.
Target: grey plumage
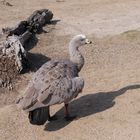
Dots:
{"x": 56, "y": 81}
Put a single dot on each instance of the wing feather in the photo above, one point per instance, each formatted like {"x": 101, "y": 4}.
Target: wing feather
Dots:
{"x": 53, "y": 83}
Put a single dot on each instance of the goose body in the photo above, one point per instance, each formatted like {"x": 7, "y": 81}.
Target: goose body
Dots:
{"x": 54, "y": 83}
{"x": 57, "y": 81}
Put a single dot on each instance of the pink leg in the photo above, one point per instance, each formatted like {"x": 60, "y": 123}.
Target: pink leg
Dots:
{"x": 67, "y": 115}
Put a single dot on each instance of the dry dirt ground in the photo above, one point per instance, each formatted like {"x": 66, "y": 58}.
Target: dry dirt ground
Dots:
{"x": 109, "y": 107}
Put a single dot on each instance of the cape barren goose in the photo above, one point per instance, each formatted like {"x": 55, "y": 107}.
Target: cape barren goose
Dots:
{"x": 56, "y": 82}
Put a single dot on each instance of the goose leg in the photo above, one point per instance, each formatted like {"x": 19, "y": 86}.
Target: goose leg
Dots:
{"x": 51, "y": 118}
{"x": 67, "y": 115}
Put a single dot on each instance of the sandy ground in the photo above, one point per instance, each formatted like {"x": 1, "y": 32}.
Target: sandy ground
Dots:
{"x": 108, "y": 108}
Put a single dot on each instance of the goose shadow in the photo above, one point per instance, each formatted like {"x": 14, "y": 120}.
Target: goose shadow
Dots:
{"x": 88, "y": 105}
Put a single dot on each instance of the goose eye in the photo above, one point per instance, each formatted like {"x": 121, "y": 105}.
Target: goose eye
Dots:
{"x": 82, "y": 39}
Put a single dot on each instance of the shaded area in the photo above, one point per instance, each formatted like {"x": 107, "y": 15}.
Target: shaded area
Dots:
{"x": 31, "y": 43}
{"x": 89, "y": 105}
{"x": 12, "y": 42}
{"x": 35, "y": 61}
{"x": 52, "y": 22}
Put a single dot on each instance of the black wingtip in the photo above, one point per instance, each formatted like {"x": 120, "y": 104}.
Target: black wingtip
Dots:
{"x": 38, "y": 116}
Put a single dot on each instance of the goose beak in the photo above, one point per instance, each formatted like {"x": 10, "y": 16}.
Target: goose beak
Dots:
{"x": 88, "y": 42}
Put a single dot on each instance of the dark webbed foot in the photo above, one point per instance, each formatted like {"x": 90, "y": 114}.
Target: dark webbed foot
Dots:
{"x": 52, "y": 118}
{"x": 70, "y": 118}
